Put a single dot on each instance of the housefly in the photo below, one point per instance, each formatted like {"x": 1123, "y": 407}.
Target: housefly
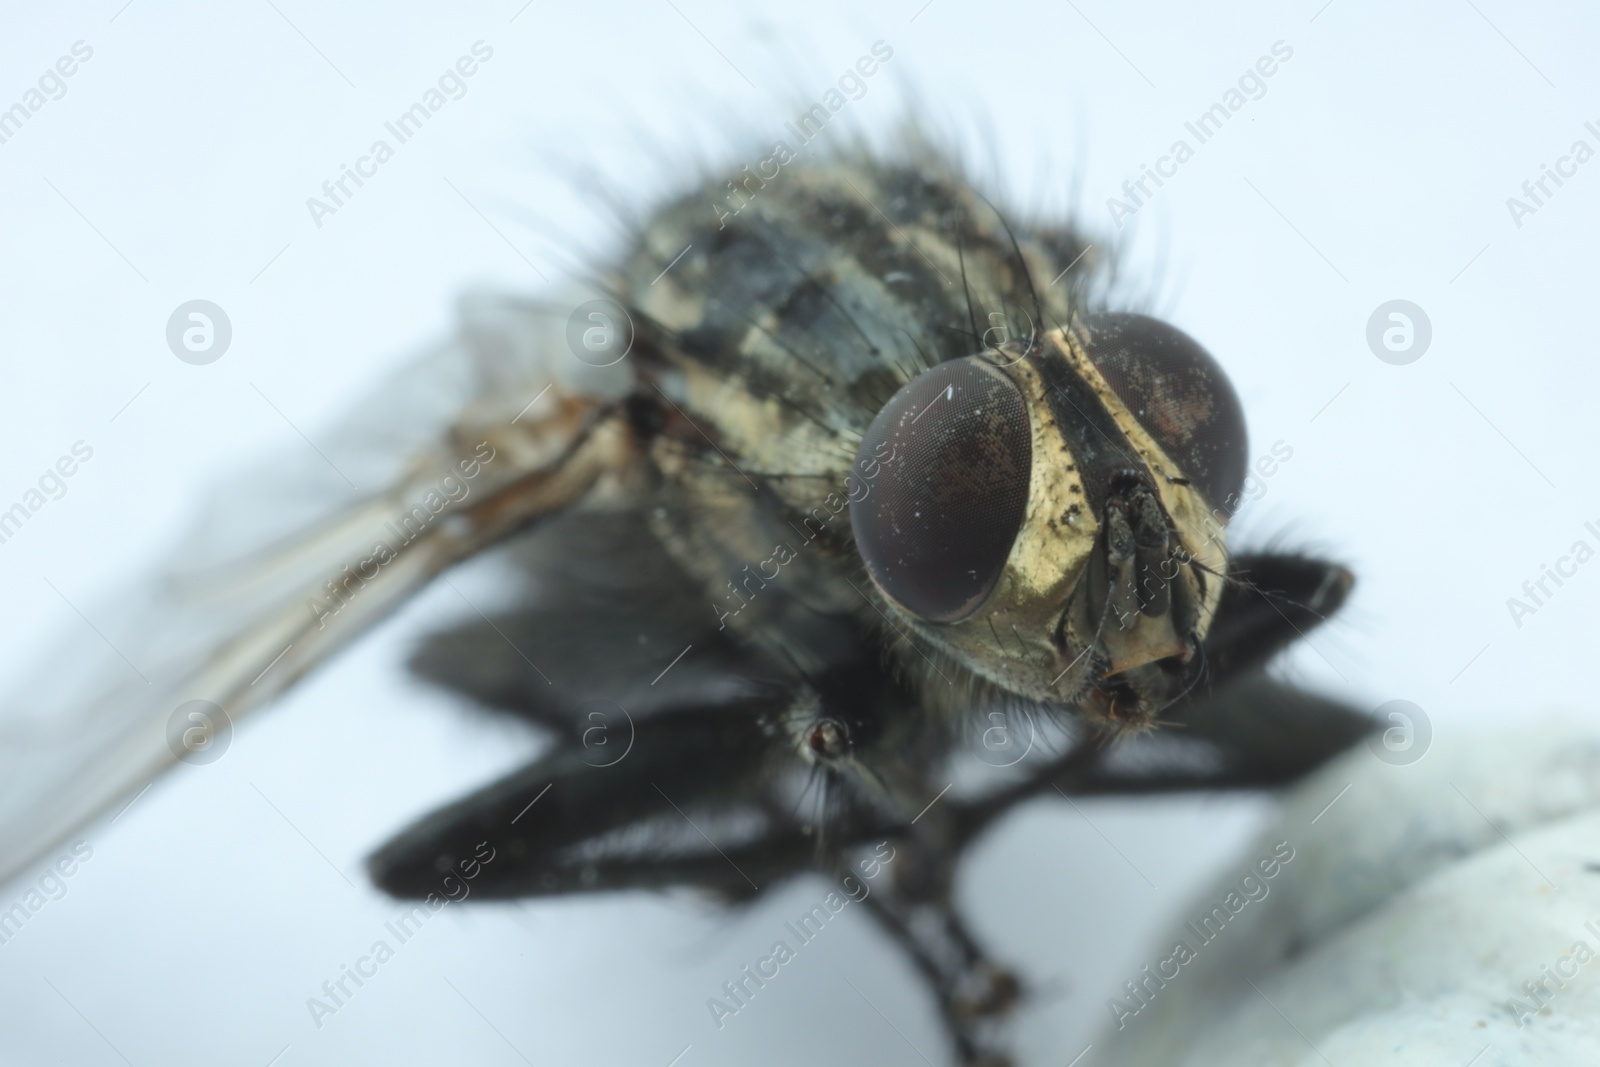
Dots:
{"x": 834, "y": 527}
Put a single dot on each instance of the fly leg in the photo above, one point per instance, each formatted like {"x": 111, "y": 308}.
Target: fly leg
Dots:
{"x": 916, "y": 907}
{"x": 653, "y": 818}
{"x": 1269, "y": 601}
{"x": 974, "y": 994}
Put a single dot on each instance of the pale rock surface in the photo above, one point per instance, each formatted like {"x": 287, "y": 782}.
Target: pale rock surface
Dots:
{"x": 1405, "y": 927}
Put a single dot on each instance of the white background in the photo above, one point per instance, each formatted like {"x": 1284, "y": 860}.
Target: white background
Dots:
{"x": 177, "y": 166}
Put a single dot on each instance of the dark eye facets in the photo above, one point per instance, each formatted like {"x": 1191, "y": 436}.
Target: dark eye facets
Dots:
{"x": 1179, "y": 394}
{"x": 954, "y": 448}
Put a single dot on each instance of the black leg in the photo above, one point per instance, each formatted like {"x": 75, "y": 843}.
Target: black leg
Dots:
{"x": 706, "y": 796}
{"x": 974, "y": 994}
{"x": 1269, "y": 602}
{"x": 566, "y": 823}
{"x": 1266, "y": 733}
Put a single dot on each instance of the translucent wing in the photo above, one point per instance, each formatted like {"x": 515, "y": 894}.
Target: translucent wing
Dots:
{"x": 476, "y": 439}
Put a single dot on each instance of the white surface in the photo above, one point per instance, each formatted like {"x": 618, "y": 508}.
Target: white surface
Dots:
{"x": 1441, "y": 913}
{"x": 191, "y": 140}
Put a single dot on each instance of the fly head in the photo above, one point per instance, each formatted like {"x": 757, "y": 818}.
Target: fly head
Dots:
{"x": 1050, "y": 514}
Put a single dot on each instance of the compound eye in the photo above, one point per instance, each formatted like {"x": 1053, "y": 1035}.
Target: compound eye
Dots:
{"x": 941, "y": 486}
{"x": 1180, "y": 395}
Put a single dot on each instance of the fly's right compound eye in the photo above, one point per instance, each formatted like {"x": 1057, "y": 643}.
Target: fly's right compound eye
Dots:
{"x": 954, "y": 453}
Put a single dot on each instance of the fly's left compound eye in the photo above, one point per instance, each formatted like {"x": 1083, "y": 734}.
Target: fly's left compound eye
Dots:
{"x": 952, "y": 451}
{"x": 1179, "y": 394}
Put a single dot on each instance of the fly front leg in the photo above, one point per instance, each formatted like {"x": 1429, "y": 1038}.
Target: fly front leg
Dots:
{"x": 974, "y": 994}
{"x": 884, "y": 776}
